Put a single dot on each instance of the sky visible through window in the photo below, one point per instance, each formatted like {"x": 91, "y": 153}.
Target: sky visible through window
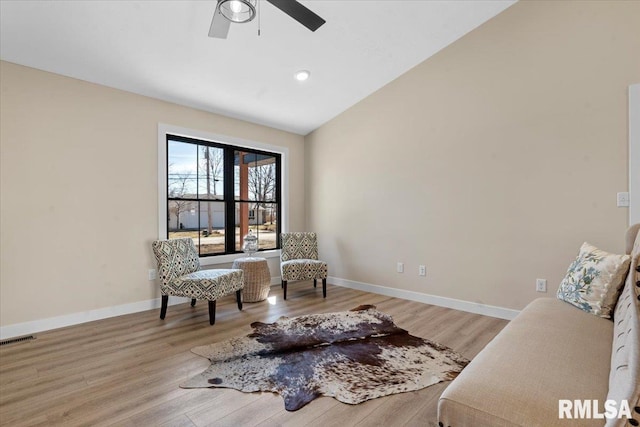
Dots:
{"x": 186, "y": 161}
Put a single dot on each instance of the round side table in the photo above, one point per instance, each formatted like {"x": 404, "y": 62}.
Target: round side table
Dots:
{"x": 257, "y": 278}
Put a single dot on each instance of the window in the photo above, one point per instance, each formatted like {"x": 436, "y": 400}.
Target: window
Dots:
{"x": 217, "y": 192}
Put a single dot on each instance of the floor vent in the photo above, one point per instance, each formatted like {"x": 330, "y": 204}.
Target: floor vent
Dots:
{"x": 17, "y": 339}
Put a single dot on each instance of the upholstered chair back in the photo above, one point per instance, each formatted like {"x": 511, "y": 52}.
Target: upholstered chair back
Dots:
{"x": 298, "y": 245}
{"x": 176, "y": 257}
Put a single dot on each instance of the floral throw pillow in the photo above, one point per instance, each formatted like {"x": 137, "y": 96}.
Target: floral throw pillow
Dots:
{"x": 594, "y": 280}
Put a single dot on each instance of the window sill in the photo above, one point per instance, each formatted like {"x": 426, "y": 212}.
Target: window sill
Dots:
{"x": 226, "y": 259}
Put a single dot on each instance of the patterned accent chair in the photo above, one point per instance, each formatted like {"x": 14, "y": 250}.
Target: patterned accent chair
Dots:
{"x": 180, "y": 275}
{"x": 299, "y": 260}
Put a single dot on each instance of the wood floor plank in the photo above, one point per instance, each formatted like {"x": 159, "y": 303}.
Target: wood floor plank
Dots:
{"x": 181, "y": 421}
{"x": 126, "y": 370}
{"x": 304, "y": 416}
{"x": 345, "y": 415}
{"x": 223, "y": 402}
{"x": 401, "y": 409}
{"x": 263, "y": 407}
{"x": 189, "y": 401}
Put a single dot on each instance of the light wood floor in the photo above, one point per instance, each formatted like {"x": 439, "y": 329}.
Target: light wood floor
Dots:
{"x": 127, "y": 370}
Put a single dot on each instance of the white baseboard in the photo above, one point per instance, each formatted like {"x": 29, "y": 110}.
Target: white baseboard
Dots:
{"x": 471, "y": 307}
{"x": 27, "y": 328}
{"x": 40, "y": 325}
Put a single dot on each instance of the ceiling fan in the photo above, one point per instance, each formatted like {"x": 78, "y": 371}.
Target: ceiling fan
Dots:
{"x": 239, "y": 11}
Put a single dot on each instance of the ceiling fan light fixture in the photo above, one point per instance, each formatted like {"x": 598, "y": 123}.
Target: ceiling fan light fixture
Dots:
{"x": 238, "y": 10}
{"x": 302, "y": 75}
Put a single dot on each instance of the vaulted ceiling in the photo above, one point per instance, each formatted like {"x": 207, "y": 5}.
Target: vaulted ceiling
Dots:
{"x": 161, "y": 49}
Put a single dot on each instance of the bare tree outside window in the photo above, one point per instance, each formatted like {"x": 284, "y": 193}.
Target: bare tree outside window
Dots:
{"x": 178, "y": 186}
{"x": 212, "y": 163}
{"x": 262, "y": 188}
{"x": 262, "y": 182}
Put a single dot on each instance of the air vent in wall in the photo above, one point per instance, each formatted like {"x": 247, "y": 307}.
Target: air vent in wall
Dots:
{"x": 17, "y": 339}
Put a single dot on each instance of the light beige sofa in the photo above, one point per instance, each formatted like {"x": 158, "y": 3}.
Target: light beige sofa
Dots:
{"x": 551, "y": 351}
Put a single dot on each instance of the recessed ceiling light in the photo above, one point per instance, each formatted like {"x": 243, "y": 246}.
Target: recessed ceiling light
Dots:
{"x": 302, "y": 75}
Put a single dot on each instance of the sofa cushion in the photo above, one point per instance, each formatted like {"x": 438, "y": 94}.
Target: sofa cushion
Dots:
{"x": 624, "y": 378}
{"x": 593, "y": 281}
{"x": 550, "y": 351}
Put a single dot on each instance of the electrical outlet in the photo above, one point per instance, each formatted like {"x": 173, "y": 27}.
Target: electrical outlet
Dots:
{"x": 400, "y": 267}
{"x": 622, "y": 199}
{"x": 422, "y": 270}
{"x": 153, "y": 274}
{"x": 541, "y": 285}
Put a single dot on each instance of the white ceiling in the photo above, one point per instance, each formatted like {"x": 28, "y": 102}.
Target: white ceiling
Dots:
{"x": 161, "y": 49}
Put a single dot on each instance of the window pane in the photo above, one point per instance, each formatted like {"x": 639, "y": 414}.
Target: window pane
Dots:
{"x": 212, "y": 223}
{"x": 261, "y": 218}
{"x": 210, "y": 173}
{"x": 268, "y": 229}
{"x": 182, "y": 170}
{"x": 243, "y": 222}
{"x": 182, "y": 217}
{"x": 262, "y": 178}
{"x": 255, "y": 176}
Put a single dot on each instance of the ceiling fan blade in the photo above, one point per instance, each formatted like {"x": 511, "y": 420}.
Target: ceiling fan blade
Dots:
{"x": 219, "y": 25}
{"x": 299, "y": 12}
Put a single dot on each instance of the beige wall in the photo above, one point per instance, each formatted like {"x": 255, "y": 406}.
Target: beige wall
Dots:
{"x": 79, "y": 191}
{"x": 490, "y": 162}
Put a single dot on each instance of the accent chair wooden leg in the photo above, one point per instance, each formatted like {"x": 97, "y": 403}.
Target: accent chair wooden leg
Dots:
{"x": 212, "y": 312}
{"x": 315, "y": 283}
{"x": 193, "y": 302}
{"x": 324, "y": 288}
{"x": 163, "y": 308}
{"x": 284, "y": 286}
{"x": 239, "y": 298}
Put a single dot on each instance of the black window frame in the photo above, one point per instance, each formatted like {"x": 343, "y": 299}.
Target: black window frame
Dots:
{"x": 229, "y": 197}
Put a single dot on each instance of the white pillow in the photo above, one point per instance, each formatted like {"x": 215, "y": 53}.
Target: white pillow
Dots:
{"x": 594, "y": 280}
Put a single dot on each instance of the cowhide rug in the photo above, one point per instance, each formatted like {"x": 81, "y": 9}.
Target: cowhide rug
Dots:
{"x": 353, "y": 356}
